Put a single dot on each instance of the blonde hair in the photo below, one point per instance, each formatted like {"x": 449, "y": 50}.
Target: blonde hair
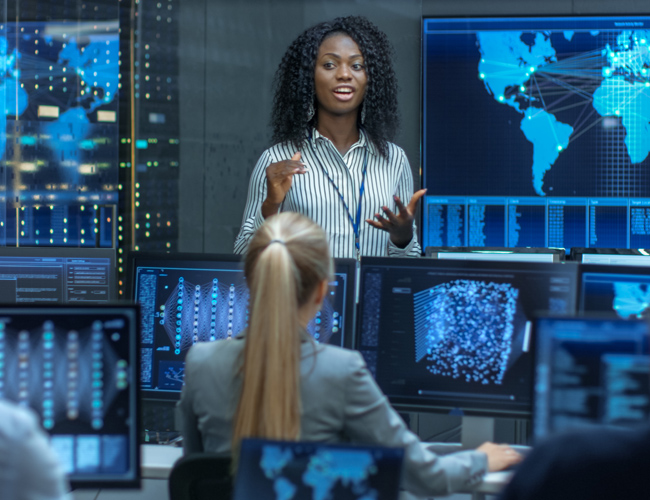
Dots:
{"x": 287, "y": 258}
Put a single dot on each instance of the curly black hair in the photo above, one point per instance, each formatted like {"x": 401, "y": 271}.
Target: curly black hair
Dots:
{"x": 294, "y": 83}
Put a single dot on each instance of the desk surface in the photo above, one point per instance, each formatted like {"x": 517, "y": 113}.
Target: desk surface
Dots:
{"x": 157, "y": 460}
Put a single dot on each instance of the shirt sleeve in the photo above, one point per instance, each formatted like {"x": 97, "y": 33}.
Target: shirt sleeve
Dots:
{"x": 253, "y": 218}
{"x": 370, "y": 418}
{"x": 29, "y": 468}
{"x": 405, "y": 192}
{"x": 186, "y": 420}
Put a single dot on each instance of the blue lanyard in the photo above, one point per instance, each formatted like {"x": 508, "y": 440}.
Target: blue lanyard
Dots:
{"x": 356, "y": 224}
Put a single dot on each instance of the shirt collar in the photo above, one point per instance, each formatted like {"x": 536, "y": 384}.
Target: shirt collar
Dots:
{"x": 363, "y": 142}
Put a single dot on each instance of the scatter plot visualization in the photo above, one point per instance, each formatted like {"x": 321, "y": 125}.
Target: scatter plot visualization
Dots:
{"x": 465, "y": 329}
{"x": 454, "y": 335}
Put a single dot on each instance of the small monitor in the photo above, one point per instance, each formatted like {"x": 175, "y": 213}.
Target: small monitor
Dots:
{"x": 304, "y": 471}
{"x": 622, "y": 291}
{"x": 76, "y": 366}
{"x": 454, "y": 336}
{"x": 590, "y": 371}
{"x": 189, "y": 298}
{"x": 502, "y": 254}
{"x": 614, "y": 256}
{"x": 57, "y": 275}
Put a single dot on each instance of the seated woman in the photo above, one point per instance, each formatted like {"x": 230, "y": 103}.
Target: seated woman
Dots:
{"x": 273, "y": 381}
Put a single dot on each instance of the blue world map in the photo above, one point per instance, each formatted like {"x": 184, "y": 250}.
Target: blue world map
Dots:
{"x": 58, "y": 86}
{"x": 513, "y": 63}
{"x": 326, "y": 470}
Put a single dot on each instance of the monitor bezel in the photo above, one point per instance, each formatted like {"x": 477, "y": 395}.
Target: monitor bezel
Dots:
{"x": 132, "y": 310}
{"x": 557, "y": 254}
{"x": 468, "y": 409}
{"x": 577, "y": 254}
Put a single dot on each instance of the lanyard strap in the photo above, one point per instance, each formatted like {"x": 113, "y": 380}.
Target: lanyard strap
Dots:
{"x": 356, "y": 223}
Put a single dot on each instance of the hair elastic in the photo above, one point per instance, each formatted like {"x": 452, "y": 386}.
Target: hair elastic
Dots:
{"x": 276, "y": 241}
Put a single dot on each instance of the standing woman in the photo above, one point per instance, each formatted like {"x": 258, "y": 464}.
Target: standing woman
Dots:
{"x": 334, "y": 115}
{"x": 273, "y": 381}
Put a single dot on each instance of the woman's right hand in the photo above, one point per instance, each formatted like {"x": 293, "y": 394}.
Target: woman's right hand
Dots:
{"x": 279, "y": 177}
{"x": 500, "y": 456}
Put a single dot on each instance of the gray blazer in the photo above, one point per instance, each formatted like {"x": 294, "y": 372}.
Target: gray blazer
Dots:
{"x": 340, "y": 401}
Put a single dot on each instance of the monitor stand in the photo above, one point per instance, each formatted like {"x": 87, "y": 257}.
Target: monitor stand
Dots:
{"x": 476, "y": 430}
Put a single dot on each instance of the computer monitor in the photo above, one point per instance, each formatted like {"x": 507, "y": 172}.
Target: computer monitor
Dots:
{"x": 308, "y": 470}
{"x": 533, "y": 131}
{"x": 189, "y": 298}
{"x": 454, "y": 336}
{"x": 614, "y": 256}
{"x": 622, "y": 291}
{"x": 590, "y": 371}
{"x": 57, "y": 275}
{"x": 77, "y": 367}
{"x": 497, "y": 253}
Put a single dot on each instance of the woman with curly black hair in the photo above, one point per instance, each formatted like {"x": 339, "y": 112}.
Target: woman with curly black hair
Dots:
{"x": 334, "y": 115}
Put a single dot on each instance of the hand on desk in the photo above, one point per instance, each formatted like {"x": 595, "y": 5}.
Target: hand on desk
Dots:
{"x": 400, "y": 225}
{"x": 500, "y": 456}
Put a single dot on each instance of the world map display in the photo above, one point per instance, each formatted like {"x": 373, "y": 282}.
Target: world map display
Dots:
{"x": 516, "y": 66}
{"x": 537, "y": 107}
{"x": 536, "y": 132}
{"x": 631, "y": 300}
{"x": 324, "y": 471}
{"x": 59, "y": 127}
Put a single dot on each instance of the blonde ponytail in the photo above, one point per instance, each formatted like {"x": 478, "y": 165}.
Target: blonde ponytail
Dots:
{"x": 287, "y": 259}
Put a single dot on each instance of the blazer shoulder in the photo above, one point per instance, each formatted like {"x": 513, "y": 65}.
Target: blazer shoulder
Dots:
{"x": 213, "y": 354}
{"x": 336, "y": 361}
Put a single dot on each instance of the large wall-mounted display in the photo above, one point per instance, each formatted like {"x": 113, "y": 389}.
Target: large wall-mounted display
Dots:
{"x": 536, "y": 131}
{"x": 59, "y": 130}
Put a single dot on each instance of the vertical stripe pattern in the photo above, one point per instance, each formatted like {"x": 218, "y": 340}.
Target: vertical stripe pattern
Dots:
{"x": 313, "y": 194}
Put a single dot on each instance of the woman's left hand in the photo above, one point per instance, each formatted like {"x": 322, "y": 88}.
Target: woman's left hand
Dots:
{"x": 400, "y": 225}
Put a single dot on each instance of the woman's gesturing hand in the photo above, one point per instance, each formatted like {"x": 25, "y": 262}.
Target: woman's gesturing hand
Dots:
{"x": 400, "y": 225}
{"x": 279, "y": 177}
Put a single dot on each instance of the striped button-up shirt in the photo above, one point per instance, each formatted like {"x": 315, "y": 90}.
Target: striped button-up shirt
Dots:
{"x": 314, "y": 195}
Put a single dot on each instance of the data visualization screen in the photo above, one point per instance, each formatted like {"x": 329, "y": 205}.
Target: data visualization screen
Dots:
{"x": 535, "y": 131}
{"x": 57, "y": 275}
{"x": 590, "y": 372}
{"x": 77, "y": 368}
{"x": 622, "y": 291}
{"x": 190, "y": 298}
{"x": 447, "y": 335}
